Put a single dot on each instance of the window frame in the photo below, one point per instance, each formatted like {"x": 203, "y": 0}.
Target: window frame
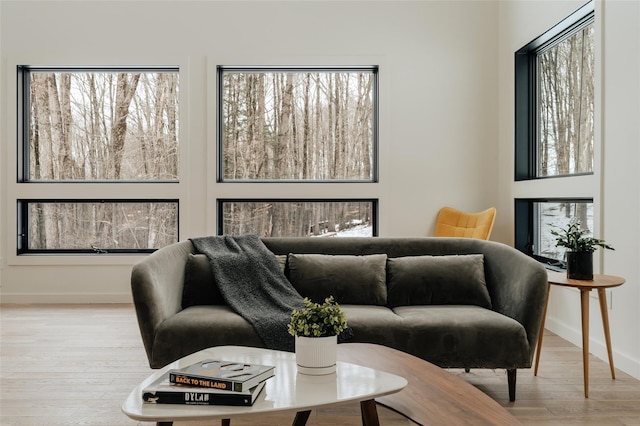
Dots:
{"x": 24, "y": 116}
{"x": 129, "y": 191}
{"x": 220, "y": 69}
{"x": 24, "y": 228}
{"x": 578, "y": 187}
{"x": 526, "y": 110}
{"x": 526, "y": 231}
{"x": 374, "y": 207}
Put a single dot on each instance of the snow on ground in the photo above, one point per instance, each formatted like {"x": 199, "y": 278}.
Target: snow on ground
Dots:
{"x": 356, "y": 231}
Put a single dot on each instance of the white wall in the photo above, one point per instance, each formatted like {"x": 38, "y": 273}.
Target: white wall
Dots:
{"x": 438, "y": 85}
{"x": 615, "y": 184}
{"x": 621, "y": 175}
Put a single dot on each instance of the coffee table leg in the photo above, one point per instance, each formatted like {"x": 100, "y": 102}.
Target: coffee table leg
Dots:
{"x": 369, "y": 413}
{"x": 301, "y": 418}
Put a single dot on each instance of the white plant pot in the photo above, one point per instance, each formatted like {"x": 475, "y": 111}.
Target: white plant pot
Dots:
{"x": 316, "y": 355}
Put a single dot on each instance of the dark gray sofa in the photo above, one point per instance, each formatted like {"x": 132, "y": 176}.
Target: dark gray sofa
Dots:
{"x": 433, "y": 300}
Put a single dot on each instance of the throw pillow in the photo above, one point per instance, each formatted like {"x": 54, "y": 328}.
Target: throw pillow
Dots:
{"x": 200, "y": 287}
{"x": 357, "y": 280}
{"x": 437, "y": 280}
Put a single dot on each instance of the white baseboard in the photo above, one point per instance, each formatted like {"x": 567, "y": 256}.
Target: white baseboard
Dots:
{"x": 597, "y": 347}
{"x": 65, "y": 298}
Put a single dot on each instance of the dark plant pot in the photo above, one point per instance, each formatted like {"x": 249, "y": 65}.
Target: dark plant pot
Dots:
{"x": 580, "y": 265}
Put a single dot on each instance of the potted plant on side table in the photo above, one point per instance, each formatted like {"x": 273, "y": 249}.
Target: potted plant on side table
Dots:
{"x": 580, "y": 250}
{"x": 316, "y": 328}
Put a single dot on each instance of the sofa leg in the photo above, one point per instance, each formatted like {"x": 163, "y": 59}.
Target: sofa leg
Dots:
{"x": 511, "y": 378}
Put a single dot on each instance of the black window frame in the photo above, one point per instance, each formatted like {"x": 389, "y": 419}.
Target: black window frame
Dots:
{"x": 220, "y": 69}
{"x": 526, "y": 91}
{"x": 39, "y": 188}
{"x": 24, "y": 116}
{"x": 23, "y": 227}
{"x": 374, "y": 207}
{"x": 525, "y": 226}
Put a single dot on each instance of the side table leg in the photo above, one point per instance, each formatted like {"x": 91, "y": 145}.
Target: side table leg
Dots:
{"x": 544, "y": 317}
{"x": 602, "y": 297}
{"x": 584, "y": 302}
{"x": 369, "y": 413}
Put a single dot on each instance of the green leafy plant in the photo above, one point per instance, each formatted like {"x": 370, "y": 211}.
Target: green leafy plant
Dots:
{"x": 318, "y": 320}
{"x": 573, "y": 238}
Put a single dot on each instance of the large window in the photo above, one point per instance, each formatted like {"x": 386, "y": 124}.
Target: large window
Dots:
{"x": 565, "y": 106}
{"x": 310, "y": 125}
{"x": 79, "y": 127}
{"x": 297, "y": 124}
{"x": 93, "y": 125}
{"x": 555, "y": 133}
{"x": 298, "y": 218}
{"x": 555, "y": 100}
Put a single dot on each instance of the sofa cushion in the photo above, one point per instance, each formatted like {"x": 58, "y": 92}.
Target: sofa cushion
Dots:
{"x": 358, "y": 280}
{"x": 464, "y": 336}
{"x": 376, "y": 324}
{"x": 199, "y": 284}
{"x": 437, "y": 280}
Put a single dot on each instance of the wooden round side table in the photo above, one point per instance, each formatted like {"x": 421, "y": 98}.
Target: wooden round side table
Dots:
{"x": 600, "y": 283}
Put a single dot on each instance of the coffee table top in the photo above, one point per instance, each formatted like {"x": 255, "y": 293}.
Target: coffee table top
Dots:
{"x": 286, "y": 391}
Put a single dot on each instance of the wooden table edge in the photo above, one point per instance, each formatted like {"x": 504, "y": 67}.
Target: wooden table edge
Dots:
{"x": 454, "y": 402}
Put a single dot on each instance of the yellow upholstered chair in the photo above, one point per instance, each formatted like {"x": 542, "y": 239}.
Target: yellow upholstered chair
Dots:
{"x": 456, "y": 223}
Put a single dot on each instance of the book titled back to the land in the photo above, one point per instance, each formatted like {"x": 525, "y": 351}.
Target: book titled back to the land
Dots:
{"x": 224, "y": 375}
{"x": 162, "y": 391}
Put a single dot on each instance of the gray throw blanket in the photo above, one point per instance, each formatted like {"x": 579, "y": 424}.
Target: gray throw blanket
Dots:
{"x": 252, "y": 283}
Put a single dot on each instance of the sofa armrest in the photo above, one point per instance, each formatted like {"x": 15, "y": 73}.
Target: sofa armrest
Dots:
{"x": 156, "y": 285}
{"x": 518, "y": 288}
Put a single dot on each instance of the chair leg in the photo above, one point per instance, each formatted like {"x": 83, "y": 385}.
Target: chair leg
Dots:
{"x": 466, "y": 370}
{"x": 511, "y": 378}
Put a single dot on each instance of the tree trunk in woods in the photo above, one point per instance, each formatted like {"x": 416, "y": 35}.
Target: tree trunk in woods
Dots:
{"x": 124, "y": 94}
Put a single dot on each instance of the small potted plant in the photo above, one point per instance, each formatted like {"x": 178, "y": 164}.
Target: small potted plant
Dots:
{"x": 316, "y": 328}
{"x": 580, "y": 250}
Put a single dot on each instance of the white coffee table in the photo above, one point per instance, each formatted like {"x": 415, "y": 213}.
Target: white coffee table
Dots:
{"x": 286, "y": 391}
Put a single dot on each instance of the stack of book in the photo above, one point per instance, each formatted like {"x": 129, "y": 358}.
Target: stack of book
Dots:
{"x": 210, "y": 382}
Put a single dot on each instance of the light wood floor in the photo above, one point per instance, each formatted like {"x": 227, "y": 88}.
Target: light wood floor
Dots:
{"x": 75, "y": 364}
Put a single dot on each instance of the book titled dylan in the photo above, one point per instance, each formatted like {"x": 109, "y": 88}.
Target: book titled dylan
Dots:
{"x": 223, "y": 375}
{"x": 162, "y": 391}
